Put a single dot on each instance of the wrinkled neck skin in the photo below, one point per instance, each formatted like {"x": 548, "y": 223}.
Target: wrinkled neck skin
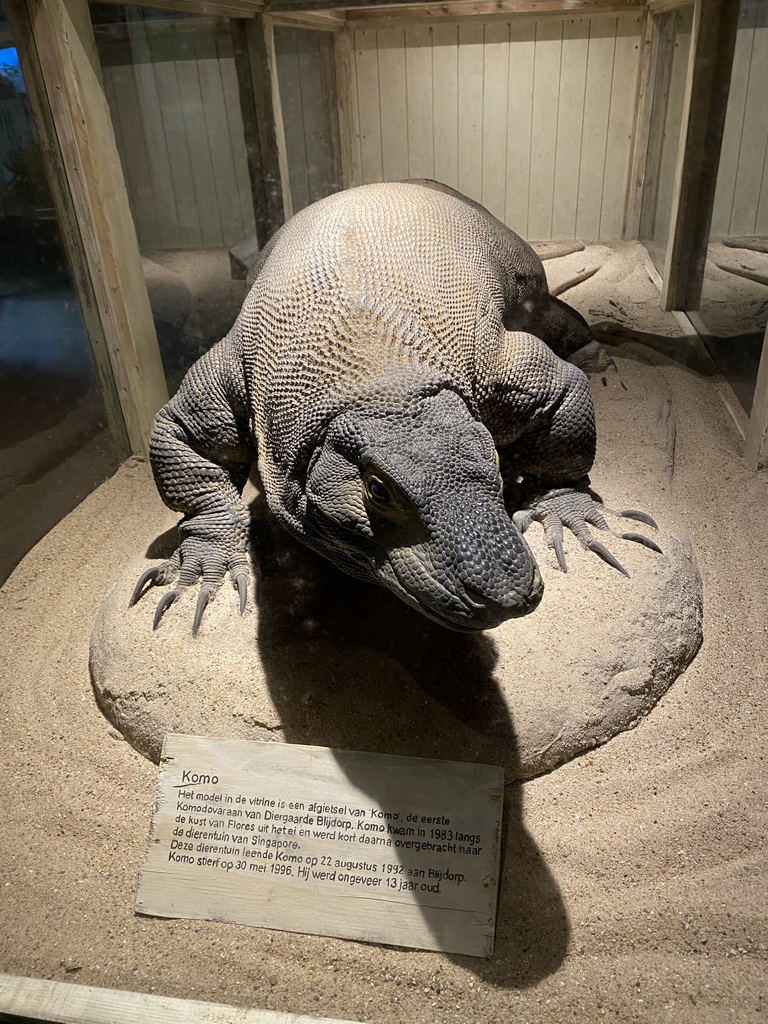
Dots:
{"x": 407, "y": 493}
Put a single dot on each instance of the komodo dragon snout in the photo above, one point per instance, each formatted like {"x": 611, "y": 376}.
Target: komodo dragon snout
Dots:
{"x": 412, "y": 499}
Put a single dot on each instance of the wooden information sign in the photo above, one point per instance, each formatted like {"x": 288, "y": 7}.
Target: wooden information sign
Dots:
{"x": 399, "y": 850}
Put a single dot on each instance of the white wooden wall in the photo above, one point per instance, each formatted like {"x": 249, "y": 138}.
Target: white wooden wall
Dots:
{"x": 308, "y": 101}
{"x": 532, "y": 118}
{"x": 741, "y": 197}
{"x": 180, "y": 136}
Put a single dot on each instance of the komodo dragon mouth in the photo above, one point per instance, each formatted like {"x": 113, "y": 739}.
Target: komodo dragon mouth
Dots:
{"x": 464, "y": 608}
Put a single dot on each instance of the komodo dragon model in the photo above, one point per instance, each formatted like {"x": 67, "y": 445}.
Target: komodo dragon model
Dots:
{"x": 395, "y": 336}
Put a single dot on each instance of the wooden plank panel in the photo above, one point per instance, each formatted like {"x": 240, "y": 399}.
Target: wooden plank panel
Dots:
{"x": 368, "y": 106}
{"x": 347, "y": 108}
{"x": 198, "y": 147}
{"x": 287, "y": 56}
{"x": 621, "y": 118}
{"x": 134, "y": 155}
{"x": 752, "y": 152}
{"x": 234, "y": 121}
{"x": 495, "y": 97}
{"x": 150, "y": 116}
{"x": 519, "y": 124}
{"x": 445, "y": 85}
{"x": 546, "y": 88}
{"x": 673, "y": 123}
{"x": 470, "y": 110}
{"x": 229, "y": 202}
{"x": 418, "y": 66}
{"x": 570, "y": 119}
{"x": 734, "y": 121}
{"x": 179, "y": 159}
{"x": 602, "y": 41}
{"x": 316, "y": 140}
{"x": 329, "y": 99}
{"x": 394, "y": 104}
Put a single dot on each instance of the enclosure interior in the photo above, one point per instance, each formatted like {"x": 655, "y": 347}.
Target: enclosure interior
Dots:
{"x": 564, "y": 127}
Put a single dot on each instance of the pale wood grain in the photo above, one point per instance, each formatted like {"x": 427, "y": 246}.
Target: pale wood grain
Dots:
{"x": 418, "y": 69}
{"x": 268, "y": 888}
{"x": 570, "y": 120}
{"x": 495, "y": 98}
{"x": 85, "y": 1004}
{"x": 394, "y": 104}
{"x": 546, "y": 91}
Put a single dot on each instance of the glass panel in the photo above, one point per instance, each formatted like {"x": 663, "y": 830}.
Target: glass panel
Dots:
{"x": 55, "y": 445}
{"x": 734, "y": 301}
{"x": 307, "y": 83}
{"x": 171, "y": 80}
{"x": 674, "y": 44}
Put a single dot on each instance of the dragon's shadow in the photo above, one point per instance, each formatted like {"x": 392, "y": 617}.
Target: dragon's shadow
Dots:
{"x": 349, "y": 666}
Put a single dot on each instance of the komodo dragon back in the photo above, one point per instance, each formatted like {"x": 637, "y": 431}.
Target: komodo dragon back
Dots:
{"x": 395, "y": 340}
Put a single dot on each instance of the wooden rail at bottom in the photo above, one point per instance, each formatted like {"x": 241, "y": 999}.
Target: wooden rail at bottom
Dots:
{"x": 83, "y": 1004}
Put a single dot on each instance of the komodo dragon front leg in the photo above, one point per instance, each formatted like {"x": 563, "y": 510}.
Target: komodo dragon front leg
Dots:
{"x": 201, "y": 453}
{"x": 542, "y": 420}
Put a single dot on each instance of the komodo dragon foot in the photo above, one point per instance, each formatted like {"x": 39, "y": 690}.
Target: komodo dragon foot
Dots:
{"x": 195, "y": 558}
{"x": 576, "y": 508}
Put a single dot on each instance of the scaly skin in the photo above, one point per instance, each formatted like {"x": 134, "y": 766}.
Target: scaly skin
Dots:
{"x": 386, "y": 349}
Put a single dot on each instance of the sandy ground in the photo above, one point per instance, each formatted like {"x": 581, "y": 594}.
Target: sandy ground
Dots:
{"x": 634, "y": 884}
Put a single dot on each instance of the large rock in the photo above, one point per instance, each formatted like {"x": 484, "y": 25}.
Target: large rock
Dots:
{"x": 320, "y": 658}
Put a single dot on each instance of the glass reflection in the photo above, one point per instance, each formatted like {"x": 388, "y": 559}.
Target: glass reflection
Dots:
{"x": 55, "y": 446}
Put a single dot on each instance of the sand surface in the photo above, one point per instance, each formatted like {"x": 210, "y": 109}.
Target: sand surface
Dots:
{"x": 634, "y": 878}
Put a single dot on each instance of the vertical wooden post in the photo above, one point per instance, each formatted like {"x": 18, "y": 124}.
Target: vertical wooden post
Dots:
{"x": 282, "y": 157}
{"x": 756, "y": 449}
{"x": 706, "y": 98}
{"x": 256, "y": 103}
{"x": 63, "y": 38}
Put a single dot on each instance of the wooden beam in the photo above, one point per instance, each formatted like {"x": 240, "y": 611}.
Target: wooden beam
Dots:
{"x": 358, "y": 9}
{"x": 211, "y": 8}
{"x": 663, "y": 6}
{"x": 62, "y": 35}
{"x": 489, "y": 11}
{"x": 324, "y": 21}
{"x": 756, "y": 448}
{"x": 42, "y": 1000}
{"x": 709, "y": 75}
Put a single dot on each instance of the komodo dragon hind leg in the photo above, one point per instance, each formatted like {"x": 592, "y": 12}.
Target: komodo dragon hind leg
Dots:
{"x": 577, "y": 509}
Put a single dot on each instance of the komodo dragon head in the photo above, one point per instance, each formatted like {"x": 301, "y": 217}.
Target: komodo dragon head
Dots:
{"x": 411, "y": 498}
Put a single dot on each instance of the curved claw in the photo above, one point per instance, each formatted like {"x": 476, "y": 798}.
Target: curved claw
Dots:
{"x": 149, "y": 575}
{"x": 605, "y": 554}
{"x": 163, "y": 604}
{"x": 557, "y": 544}
{"x": 638, "y": 538}
{"x": 641, "y": 517}
{"x": 202, "y": 603}
{"x": 242, "y": 590}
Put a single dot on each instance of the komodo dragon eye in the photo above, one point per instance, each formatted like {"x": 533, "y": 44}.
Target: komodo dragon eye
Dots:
{"x": 377, "y": 490}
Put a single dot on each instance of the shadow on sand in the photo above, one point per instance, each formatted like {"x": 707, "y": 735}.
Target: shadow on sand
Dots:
{"x": 349, "y": 666}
